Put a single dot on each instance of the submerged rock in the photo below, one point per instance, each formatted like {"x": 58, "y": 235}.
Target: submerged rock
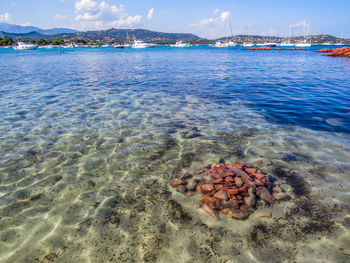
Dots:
{"x": 265, "y": 195}
{"x": 240, "y": 215}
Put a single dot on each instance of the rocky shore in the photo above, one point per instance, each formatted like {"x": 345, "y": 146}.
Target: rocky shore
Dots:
{"x": 343, "y": 52}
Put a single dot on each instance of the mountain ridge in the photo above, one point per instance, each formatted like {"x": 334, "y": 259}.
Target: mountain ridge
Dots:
{"x": 18, "y": 29}
{"x": 108, "y": 35}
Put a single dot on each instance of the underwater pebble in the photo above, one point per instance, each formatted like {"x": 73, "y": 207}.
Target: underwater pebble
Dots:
{"x": 281, "y": 196}
{"x": 238, "y": 182}
{"x": 178, "y": 182}
{"x": 207, "y": 187}
{"x": 277, "y": 189}
{"x": 181, "y": 189}
{"x": 191, "y": 184}
{"x": 221, "y": 195}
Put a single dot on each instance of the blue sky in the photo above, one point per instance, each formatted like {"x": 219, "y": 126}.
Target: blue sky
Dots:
{"x": 205, "y": 18}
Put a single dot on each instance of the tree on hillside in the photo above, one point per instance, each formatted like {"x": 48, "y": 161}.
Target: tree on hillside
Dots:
{"x": 57, "y": 41}
{"x": 6, "y": 41}
{"x": 42, "y": 42}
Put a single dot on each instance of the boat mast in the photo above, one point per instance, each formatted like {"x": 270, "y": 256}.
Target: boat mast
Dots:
{"x": 229, "y": 22}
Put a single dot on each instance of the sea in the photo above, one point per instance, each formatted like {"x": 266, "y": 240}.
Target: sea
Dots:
{"x": 91, "y": 137}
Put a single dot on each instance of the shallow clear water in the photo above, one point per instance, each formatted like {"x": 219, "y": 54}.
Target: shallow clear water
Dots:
{"x": 90, "y": 139}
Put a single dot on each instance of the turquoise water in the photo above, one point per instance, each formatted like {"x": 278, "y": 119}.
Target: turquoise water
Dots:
{"x": 90, "y": 139}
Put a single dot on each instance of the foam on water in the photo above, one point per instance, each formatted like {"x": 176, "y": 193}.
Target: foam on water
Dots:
{"x": 84, "y": 175}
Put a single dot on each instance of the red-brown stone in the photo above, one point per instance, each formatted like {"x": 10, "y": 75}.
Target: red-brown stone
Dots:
{"x": 207, "y": 187}
{"x": 250, "y": 170}
{"x": 221, "y": 195}
{"x": 178, "y": 182}
{"x": 217, "y": 181}
{"x": 229, "y": 179}
{"x": 231, "y": 192}
{"x": 225, "y": 211}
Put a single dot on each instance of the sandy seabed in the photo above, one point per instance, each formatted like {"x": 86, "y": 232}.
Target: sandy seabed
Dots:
{"x": 98, "y": 190}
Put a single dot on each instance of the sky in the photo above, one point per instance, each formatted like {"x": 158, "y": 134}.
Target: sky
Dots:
{"x": 208, "y": 19}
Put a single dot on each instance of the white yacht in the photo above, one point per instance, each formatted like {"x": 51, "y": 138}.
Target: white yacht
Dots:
{"x": 24, "y": 46}
{"x": 47, "y": 47}
{"x": 247, "y": 44}
{"x": 286, "y": 44}
{"x": 221, "y": 44}
{"x": 180, "y": 44}
{"x": 232, "y": 44}
{"x": 68, "y": 46}
{"x": 141, "y": 44}
{"x": 303, "y": 43}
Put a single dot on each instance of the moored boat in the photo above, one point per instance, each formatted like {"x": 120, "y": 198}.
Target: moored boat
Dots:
{"x": 180, "y": 44}
{"x": 25, "y": 46}
{"x": 269, "y": 44}
{"x": 119, "y": 46}
{"x": 303, "y": 43}
{"x": 141, "y": 44}
{"x": 247, "y": 44}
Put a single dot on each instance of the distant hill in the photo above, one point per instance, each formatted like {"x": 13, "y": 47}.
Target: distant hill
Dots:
{"x": 16, "y": 29}
{"x": 315, "y": 39}
{"x": 133, "y": 34}
{"x": 109, "y": 35}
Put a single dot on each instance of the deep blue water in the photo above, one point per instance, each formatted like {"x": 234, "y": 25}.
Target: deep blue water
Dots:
{"x": 300, "y": 88}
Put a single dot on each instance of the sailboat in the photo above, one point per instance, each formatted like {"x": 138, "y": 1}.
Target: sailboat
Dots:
{"x": 249, "y": 43}
{"x": 304, "y": 42}
{"x": 287, "y": 43}
{"x": 227, "y": 43}
{"x": 341, "y": 42}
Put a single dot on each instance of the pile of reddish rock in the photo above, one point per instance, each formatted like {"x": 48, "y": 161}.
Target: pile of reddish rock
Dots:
{"x": 258, "y": 48}
{"x": 324, "y": 50}
{"x": 232, "y": 189}
{"x": 343, "y": 52}
{"x": 293, "y": 49}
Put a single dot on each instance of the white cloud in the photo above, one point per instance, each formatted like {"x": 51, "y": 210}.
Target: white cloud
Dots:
{"x": 5, "y": 17}
{"x": 60, "y": 17}
{"x": 213, "y": 20}
{"x": 150, "y": 13}
{"x": 206, "y": 22}
{"x": 100, "y": 14}
{"x": 299, "y": 24}
{"x": 224, "y": 16}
